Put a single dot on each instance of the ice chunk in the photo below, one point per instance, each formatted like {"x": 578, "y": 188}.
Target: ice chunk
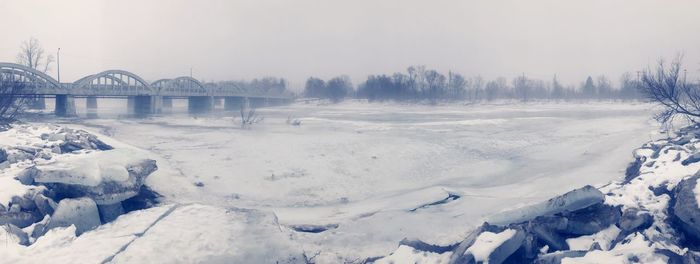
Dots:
{"x": 3, "y": 155}
{"x": 107, "y": 179}
{"x": 88, "y": 169}
{"x": 686, "y": 206}
{"x": 45, "y": 205}
{"x": 496, "y": 247}
{"x": 82, "y": 213}
{"x": 590, "y": 220}
{"x": 14, "y": 233}
{"x": 633, "y": 219}
{"x": 551, "y": 238}
{"x": 459, "y": 253}
{"x": 570, "y": 201}
{"x": 604, "y": 238}
{"x": 556, "y": 257}
{"x": 20, "y": 219}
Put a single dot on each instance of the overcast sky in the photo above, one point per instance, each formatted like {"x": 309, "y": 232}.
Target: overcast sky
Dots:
{"x": 244, "y": 39}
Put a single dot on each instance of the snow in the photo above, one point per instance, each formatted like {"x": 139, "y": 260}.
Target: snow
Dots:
{"x": 168, "y": 234}
{"x": 406, "y": 254}
{"x": 363, "y": 165}
{"x": 604, "y": 239}
{"x": 60, "y": 245}
{"x": 10, "y": 187}
{"x": 637, "y": 248}
{"x": 377, "y": 171}
{"x": 487, "y": 242}
{"x": 223, "y": 236}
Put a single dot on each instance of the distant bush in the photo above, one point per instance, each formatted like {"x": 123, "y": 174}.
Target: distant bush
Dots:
{"x": 248, "y": 115}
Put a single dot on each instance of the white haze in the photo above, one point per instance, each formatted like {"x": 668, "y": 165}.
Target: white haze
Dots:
{"x": 222, "y": 39}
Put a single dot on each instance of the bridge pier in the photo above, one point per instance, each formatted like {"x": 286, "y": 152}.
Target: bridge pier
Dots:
{"x": 142, "y": 105}
{"x": 200, "y": 104}
{"x": 91, "y": 106}
{"x": 166, "y": 102}
{"x": 65, "y": 105}
{"x": 157, "y": 104}
{"x": 130, "y": 102}
{"x": 233, "y": 103}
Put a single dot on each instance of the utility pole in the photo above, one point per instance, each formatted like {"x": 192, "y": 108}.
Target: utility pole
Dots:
{"x": 58, "y": 63}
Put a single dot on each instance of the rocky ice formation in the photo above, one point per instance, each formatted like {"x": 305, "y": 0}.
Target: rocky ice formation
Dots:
{"x": 651, "y": 216}
{"x": 81, "y": 212}
{"x": 107, "y": 177}
{"x": 60, "y": 177}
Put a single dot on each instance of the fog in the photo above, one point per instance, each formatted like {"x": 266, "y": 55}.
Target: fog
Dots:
{"x": 357, "y": 131}
{"x": 221, "y": 40}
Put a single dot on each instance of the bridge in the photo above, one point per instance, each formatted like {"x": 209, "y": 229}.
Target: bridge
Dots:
{"x": 144, "y": 98}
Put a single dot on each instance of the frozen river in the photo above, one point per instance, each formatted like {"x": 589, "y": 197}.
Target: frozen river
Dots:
{"x": 376, "y": 173}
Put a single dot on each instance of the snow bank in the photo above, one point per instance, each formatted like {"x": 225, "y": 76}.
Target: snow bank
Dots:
{"x": 53, "y": 177}
{"x": 406, "y": 254}
{"x": 649, "y": 217}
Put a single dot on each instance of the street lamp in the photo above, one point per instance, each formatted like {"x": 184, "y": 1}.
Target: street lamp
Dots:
{"x": 58, "y": 62}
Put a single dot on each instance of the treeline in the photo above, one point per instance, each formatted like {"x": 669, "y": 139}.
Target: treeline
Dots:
{"x": 421, "y": 84}
{"x": 336, "y": 89}
{"x": 264, "y": 85}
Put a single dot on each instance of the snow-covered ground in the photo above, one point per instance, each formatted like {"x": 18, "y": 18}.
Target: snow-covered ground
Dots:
{"x": 373, "y": 174}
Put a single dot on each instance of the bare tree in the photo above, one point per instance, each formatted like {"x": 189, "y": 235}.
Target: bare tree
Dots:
{"x": 248, "y": 115}
{"x": 33, "y": 56}
{"x": 665, "y": 86}
{"x": 11, "y": 103}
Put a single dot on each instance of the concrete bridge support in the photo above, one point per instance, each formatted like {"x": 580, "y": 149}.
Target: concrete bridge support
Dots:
{"x": 91, "y": 106}
{"x": 156, "y": 104}
{"x": 166, "y": 103}
{"x": 65, "y": 105}
{"x": 143, "y": 105}
{"x": 200, "y": 104}
{"x": 130, "y": 103}
{"x": 233, "y": 103}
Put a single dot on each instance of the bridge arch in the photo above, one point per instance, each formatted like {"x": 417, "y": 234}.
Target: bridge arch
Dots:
{"x": 114, "y": 82}
{"x": 160, "y": 83}
{"x": 39, "y": 80}
{"x": 227, "y": 89}
{"x": 181, "y": 85}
